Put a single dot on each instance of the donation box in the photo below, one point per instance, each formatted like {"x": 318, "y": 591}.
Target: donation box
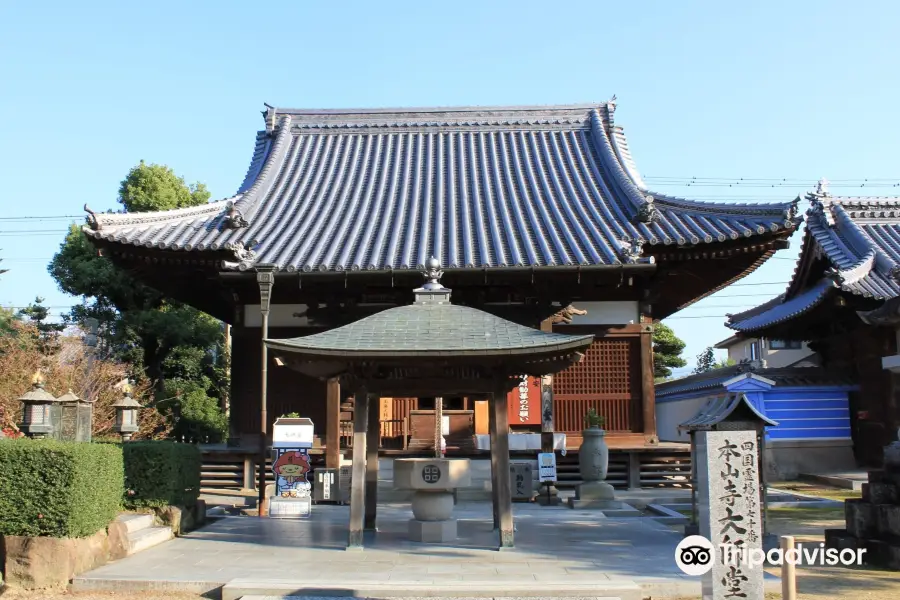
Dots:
{"x": 291, "y": 441}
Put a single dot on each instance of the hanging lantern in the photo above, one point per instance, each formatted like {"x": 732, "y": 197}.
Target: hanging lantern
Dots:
{"x": 36, "y": 403}
{"x": 126, "y": 414}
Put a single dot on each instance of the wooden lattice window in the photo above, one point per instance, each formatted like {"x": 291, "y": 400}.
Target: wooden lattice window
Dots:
{"x": 608, "y": 380}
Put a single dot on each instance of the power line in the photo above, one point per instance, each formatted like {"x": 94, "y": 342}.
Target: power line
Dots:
{"x": 41, "y": 217}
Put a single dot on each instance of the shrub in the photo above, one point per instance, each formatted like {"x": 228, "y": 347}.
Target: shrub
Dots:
{"x": 58, "y": 489}
{"x": 161, "y": 474}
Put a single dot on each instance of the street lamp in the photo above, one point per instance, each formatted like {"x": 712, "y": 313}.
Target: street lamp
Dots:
{"x": 126, "y": 414}
{"x": 36, "y": 404}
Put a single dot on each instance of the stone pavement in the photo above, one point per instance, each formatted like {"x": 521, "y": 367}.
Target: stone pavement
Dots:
{"x": 559, "y": 552}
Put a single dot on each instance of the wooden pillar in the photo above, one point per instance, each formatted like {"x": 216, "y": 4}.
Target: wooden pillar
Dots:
{"x": 500, "y": 457}
{"x": 358, "y": 481}
{"x": 373, "y": 441}
{"x": 265, "y": 277}
{"x": 492, "y": 430}
{"x": 438, "y": 425}
{"x": 333, "y": 424}
{"x": 547, "y": 428}
{"x": 648, "y": 392}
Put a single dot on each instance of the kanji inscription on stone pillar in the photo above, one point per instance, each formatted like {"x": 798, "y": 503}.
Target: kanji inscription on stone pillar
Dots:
{"x": 730, "y": 512}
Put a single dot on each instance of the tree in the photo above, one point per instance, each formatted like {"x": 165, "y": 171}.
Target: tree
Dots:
{"x": 168, "y": 343}
{"x": 667, "y": 349}
{"x": 47, "y": 332}
{"x": 706, "y": 361}
{"x": 157, "y": 187}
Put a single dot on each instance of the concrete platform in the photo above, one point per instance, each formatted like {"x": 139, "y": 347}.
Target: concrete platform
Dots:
{"x": 559, "y": 552}
{"x": 851, "y": 480}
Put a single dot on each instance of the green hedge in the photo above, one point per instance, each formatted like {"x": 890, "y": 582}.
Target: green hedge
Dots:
{"x": 58, "y": 489}
{"x": 161, "y": 473}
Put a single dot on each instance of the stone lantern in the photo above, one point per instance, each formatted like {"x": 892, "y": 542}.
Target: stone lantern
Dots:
{"x": 72, "y": 418}
{"x": 36, "y": 409}
{"x": 126, "y": 414}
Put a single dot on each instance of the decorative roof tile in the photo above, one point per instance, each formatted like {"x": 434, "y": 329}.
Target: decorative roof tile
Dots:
{"x": 383, "y": 189}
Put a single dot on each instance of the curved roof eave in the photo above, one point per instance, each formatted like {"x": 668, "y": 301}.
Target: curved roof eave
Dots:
{"x": 543, "y": 214}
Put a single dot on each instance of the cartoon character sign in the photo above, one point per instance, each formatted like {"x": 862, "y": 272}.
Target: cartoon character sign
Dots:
{"x": 291, "y": 469}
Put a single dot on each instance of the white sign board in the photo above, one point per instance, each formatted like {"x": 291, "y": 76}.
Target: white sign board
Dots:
{"x": 445, "y": 425}
{"x": 292, "y": 433}
{"x": 547, "y": 466}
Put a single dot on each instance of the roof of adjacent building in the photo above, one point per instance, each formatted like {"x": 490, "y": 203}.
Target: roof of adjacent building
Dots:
{"x": 860, "y": 240}
{"x": 713, "y": 381}
{"x": 343, "y": 190}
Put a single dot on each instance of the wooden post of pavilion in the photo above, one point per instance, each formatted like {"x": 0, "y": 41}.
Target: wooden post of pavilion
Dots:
{"x": 333, "y": 424}
{"x": 500, "y": 458}
{"x": 265, "y": 277}
{"x": 373, "y": 440}
{"x": 495, "y": 482}
{"x": 648, "y": 389}
{"x": 438, "y": 425}
{"x": 358, "y": 479}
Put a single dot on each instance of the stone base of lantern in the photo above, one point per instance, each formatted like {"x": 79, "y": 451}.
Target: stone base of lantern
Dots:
{"x": 595, "y": 494}
{"x": 432, "y": 531}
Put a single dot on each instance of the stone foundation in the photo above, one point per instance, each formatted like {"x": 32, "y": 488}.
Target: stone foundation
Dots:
{"x": 873, "y": 522}
{"x": 36, "y": 563}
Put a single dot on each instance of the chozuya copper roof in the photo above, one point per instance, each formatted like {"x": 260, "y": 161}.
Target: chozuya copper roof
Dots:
{"x": 859, "y": 238}
{"x": 344, "y": 190}
{"x": 432, "y": 327}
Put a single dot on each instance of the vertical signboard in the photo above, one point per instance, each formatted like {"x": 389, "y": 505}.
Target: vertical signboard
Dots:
{"x": 525, "y": 402}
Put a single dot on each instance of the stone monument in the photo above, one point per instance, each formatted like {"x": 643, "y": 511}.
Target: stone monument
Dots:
{"x": 873, "y": 522}
{"x": 433, "y": 480}
{"x": 726, "y": 435}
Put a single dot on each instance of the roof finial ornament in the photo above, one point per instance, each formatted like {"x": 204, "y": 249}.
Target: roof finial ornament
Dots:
{"x": 243, "y": 253}
{"x": 611, "y": 105}
{"x": 632, "y": 250}
{"x": 92, "y": 219}
{"x": 822, "y": 187}
{"x": 647, "y": 211}
{"x": 234, "y": 219}
{"x": 269, "y": 115}
{"x": 433, "y": 274}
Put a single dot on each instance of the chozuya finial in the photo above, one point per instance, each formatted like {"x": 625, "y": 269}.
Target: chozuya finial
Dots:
{"x": 433, "y": 274}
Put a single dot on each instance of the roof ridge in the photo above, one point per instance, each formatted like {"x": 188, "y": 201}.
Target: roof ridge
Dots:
{"x": 436, "y": 109}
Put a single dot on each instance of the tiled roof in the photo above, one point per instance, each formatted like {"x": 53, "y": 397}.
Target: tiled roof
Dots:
{"x": 712, "y": 381}
{"x": 718, "y": 409}
{"x": 780, "y": 310}
{"x": 860, "y": 239}
{"x": 444, "y": 330}
{"x": 476, "y": 187}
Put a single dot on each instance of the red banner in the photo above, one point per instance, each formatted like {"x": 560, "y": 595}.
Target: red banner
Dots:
{"x": 525, "y": 402}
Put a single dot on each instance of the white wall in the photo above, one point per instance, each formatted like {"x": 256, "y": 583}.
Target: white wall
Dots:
{"x": 280, "y": 315}
{"x": 669, "y": 415}
{"x": 607, "y": 313}
{"x": 774, "y": 358}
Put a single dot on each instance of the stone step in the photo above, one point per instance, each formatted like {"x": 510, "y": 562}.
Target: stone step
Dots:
{"x": 270, "y": 597}
{"x": 595, "y": 589}
{"x": 147, "y": 538}
{"x": 136, "y": 522}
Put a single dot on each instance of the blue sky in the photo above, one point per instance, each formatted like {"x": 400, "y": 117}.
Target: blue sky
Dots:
{"x": 796, "y": 90}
